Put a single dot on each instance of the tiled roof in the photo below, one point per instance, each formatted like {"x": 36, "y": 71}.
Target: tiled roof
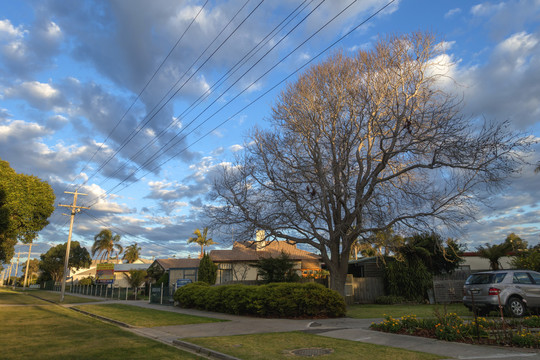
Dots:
{"x": 247, "y": 251}
{"x": 178, "y": 263}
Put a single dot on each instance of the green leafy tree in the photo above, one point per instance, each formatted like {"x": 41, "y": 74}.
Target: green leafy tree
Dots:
{"x": 494, "y": 253}
{"x": 155, "y": 272}
{"x": 132, "y": 253}
{"x": 515, "y": 243}
{"x": 105, "y": 244}
{"x": 279, "y": 269}
{"x": 410, "y": 280}
{"x": 33, "y": 268}
{"x": 527, "y": 260}
{"x": 201, "y": 239}
{"x": 26, "y": 202}
{"x": 52, "y": 262}
{"x": 135, "y": 279}
{"x": 207, "y": 270}
{"x": 429, "y": 248}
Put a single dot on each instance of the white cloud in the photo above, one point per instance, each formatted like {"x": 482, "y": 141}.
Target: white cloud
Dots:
{"x": 452, "y": 12}
{"x": 236, "y": 148}
{"x": 8, "y": 31}
{"x": 39, "y": 95}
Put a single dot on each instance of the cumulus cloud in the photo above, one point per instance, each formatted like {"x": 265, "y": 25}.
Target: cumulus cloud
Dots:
{"x": 506, "y": 87}
{"x": 39, "y": 95}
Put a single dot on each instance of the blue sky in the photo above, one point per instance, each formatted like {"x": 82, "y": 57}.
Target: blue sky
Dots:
{"x": 78, "y": 80}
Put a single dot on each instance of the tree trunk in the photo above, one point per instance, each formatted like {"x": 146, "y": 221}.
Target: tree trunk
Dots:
{"x": 338, "y": 273}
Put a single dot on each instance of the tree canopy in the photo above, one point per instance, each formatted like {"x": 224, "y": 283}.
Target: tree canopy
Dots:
{"x": 132, "y": 253}
{"x": 52, "y": 262}
{"x": 26, "y": 202}
{"x": 362, "y": 143}
{"x": 202, "y": 239}
{"x": 105, "y": 244}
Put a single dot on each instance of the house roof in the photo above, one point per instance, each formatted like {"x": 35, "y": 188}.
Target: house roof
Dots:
{"x": 167, "y": 264}
{"x": 127, "y": 267}
{"x": 251, "y": 251}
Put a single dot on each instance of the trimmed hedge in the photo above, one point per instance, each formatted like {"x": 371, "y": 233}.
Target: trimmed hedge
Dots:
{"x": 282, "y": 300}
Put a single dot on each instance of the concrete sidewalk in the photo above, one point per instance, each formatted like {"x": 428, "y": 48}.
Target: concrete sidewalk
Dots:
{"x": 341, "y": 328}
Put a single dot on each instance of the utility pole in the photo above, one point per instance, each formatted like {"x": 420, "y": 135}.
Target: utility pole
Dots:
{"x": 16, "y": 270}
{"x": 9, "y": 272}
{"x": 74, "y": 210}
{"x": 27, "y": 265}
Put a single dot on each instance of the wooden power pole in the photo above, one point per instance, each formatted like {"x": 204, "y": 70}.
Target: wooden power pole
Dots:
{"x": 27, "y": 265}
{"x": 74, "y": 210}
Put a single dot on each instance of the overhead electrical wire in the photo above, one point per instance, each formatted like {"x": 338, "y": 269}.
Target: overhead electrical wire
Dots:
{"x": 249, "y": 86}
{"x": 277, "y": 84}
{"x": 142, "y": 91}
{"x": 157, "y": 108}
{"x": 241, "y": 62}
{"x": 157, "y": 153}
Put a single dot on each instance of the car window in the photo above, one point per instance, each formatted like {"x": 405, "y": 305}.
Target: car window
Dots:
{"x": 478, "y": 279}
{"x": 536, "y": 277}
{"x": 522, "y": 278}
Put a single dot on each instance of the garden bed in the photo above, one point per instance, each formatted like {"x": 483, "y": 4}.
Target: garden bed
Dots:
{"x": 450, "y": 327}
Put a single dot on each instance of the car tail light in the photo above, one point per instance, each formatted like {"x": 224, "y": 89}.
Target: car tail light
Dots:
{"x": 494, "y": 291}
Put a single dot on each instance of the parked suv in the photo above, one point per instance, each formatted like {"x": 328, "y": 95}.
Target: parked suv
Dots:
{"x": 516, "y": 289}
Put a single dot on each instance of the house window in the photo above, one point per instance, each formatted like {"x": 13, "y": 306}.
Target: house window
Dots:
{"x": 226, "y": 275}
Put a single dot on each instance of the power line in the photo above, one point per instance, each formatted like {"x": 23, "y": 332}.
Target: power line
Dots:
{"x": 277, "y": 84}
{"x": 218, "y": 83}
{"x": 143, "y": 89}
{"x": 145, "y": 241}
{"x": 152, "y": 114}
{"x": 260, "y": 96}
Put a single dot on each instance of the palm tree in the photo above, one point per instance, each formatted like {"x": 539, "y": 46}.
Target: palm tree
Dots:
{"x": 493, "y": 253}
{"x": 131, "y": 253}
{"x": 135, "y": 278}
{"x": 201, "y": 239}
{"x": 105, "y": 244}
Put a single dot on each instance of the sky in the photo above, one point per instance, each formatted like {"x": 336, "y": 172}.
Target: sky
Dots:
{"x": 137, "y": 103}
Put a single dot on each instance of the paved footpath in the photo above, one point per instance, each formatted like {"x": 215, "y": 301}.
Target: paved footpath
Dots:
{"x": 341, "y": 328}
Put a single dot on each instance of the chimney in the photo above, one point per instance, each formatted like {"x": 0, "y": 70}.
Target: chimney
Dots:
{"x": 259, "y": 240}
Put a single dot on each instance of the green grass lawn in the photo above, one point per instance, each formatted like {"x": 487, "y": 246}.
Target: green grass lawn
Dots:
{"x": 371, "y": 311}
{"x": 10, "y": 297}
{"x": 138, "y": 316}
{"x": 278, "y": 346}
{"x": 53, "y": 332}
{"x": 55, "y": 297}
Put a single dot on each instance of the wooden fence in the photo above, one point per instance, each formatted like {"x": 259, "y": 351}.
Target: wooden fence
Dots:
{"x": 366, "y": 290}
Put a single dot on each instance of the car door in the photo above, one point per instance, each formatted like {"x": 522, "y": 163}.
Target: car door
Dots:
{"x": 535, "y": 289}
{"x": 530, "y": 290}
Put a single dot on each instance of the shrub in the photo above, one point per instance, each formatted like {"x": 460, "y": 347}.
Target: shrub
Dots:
{"x": 408, "y": 279}
{"x": 290, "y": 300}
{"x": 279, "y": 269}
{"x": 207, "y": 270}
{"x": 87, "y": 281}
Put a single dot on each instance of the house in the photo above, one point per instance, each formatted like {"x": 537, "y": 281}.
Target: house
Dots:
{"x": 91, "y": 271}
{"x": 178, "y": 268}
{"x": 236, "y": 264}
{"x": 121, "y": 269}
{"x": 475, "y": 263}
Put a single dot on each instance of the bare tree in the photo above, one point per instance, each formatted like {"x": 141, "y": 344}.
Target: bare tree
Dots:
{"x": 362, "y": 144}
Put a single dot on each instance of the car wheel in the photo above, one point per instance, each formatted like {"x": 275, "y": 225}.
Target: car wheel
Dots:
{"x": 515, "y": 307}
